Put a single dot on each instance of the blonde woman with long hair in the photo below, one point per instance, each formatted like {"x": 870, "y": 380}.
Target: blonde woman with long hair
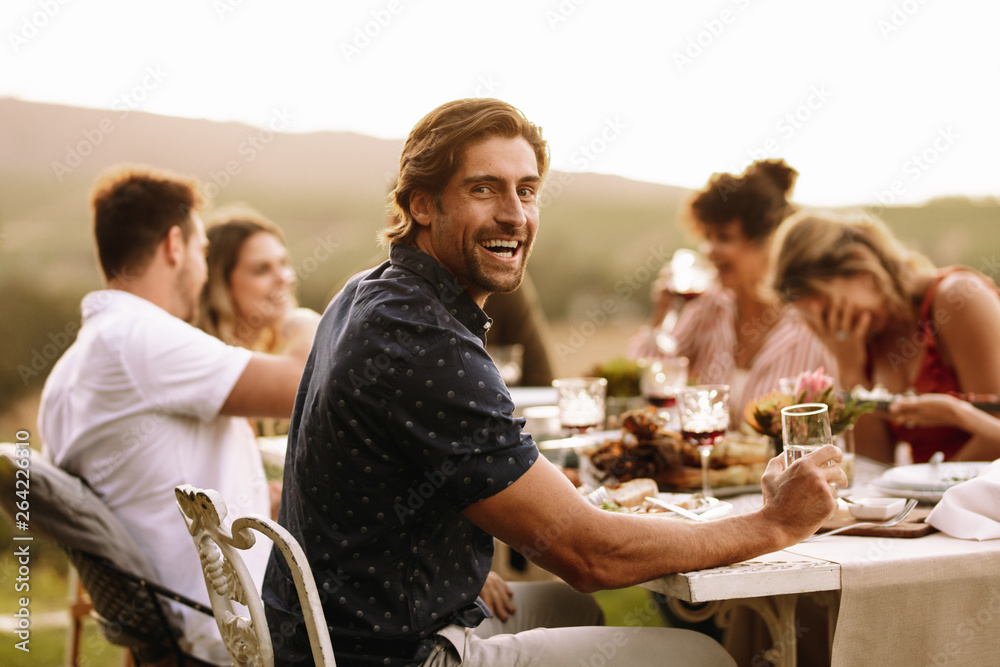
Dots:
{"x": 891, "y": 318}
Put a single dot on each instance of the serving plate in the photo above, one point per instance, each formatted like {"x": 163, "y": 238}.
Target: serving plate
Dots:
{"x": 935, "y": 477}
{"x": 922, "y": 496}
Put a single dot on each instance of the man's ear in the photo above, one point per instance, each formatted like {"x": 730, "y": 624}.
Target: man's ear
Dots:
{"x": 421, "y": 207}
{"x": 174, "y": 246}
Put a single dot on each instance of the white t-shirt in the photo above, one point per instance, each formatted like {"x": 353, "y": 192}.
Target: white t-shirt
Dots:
{"x": 133, "y": 408}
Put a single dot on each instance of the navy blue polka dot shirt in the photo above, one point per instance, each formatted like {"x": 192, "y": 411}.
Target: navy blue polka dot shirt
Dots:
{"x": 401, "y": 422}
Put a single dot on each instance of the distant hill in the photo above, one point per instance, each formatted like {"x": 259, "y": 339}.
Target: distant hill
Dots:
{"x": 601, "y": 240}
{"x": 322, "y": 185}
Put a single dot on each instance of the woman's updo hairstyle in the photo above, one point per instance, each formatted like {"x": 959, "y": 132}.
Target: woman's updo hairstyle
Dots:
{"x": 757, "y": 198}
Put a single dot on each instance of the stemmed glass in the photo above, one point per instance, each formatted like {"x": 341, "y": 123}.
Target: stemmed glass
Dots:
{"x": 688, "y": 274}
{"x": 804, "y": 428}
{"x": 660, "y": 383}
{"x": 704, "y": 420}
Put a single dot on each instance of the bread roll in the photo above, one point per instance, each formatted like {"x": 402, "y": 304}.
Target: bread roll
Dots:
{"x": 634, "y": 492}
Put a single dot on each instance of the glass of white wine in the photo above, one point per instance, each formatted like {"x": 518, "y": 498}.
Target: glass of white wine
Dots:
{"x": 804, "y": 429}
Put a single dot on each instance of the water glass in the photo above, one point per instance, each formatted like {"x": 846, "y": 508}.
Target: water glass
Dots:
{"x": 581, "y": 403}
{"x": 804, "y": 428}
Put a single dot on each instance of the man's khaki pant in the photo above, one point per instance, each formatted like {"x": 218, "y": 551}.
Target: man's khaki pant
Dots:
{"x": 556, "y": 626}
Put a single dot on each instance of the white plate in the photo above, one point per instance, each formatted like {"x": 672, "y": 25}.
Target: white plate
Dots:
{"x": 711, "y": 509}
{"x": 931, "y": 477}
{"x": 922, "y": 496}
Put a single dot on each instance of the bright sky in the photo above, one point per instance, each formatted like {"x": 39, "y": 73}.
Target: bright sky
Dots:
{"x": 866, "y": 98}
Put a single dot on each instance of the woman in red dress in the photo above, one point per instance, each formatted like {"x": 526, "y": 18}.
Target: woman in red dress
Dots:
{"x": 892, "y": 319}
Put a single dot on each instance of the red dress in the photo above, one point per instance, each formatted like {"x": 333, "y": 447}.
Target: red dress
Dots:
{"x": 933, "y": 377}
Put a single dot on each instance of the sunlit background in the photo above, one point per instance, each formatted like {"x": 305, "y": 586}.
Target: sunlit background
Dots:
{"x": 889, "y": 105}
{"x": 897, "y": 98}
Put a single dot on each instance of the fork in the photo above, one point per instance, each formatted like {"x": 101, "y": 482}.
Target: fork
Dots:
{"x": 907, "y": 508}
{"x": 597, "y": 496}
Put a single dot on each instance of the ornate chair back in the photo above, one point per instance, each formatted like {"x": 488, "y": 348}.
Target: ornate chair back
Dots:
{"x": 219, "y": 543}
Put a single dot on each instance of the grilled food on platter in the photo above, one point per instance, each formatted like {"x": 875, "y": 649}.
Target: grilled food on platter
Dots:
{"x": 647, "y": 449}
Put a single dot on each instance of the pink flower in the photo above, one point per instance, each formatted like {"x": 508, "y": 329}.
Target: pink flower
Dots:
{"x": 811, "y": 387}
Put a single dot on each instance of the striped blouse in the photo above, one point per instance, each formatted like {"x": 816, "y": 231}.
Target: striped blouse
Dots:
{"x": 706, "y": 335}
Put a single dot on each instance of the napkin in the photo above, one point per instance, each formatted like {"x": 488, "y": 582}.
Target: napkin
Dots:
{"x": 971, "y": 510}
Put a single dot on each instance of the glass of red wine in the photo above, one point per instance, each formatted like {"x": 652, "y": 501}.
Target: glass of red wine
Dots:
{"x": 660, "y": 383}
{"x": 581, "y": 403}
{"x": 704, "y": 421}
{"x": 686, "y": 276}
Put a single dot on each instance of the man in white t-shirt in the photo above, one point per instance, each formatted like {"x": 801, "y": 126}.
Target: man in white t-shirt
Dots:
{"x": 144, "y": 401}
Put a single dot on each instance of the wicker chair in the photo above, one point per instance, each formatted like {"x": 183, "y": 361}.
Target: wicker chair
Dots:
{"x": 129, "y": 607}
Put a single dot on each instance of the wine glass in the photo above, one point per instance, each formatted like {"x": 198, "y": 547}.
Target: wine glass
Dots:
{"x": 704, "y": 420}
{"x": 581, "y": 403}
{"x": 804, "y": 428}
{"x": 660, "y": 383}
{"x": 688, "y": 274}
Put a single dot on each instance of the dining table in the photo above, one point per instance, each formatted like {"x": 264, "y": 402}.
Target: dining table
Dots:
{"x": 929, "y": 600}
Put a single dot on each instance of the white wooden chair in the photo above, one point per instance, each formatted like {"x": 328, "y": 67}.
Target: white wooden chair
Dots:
{"x": 219, "y": 543}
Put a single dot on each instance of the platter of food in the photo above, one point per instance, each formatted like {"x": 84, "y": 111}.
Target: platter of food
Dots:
{"x": 640, "y": 496}
{"x": 644, "y": 448}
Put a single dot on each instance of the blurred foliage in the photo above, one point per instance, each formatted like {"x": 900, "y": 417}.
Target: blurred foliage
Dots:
{"x": 38, "y": 324}
{"x": 622, "y": 375}
{"x": 599, "y": 245}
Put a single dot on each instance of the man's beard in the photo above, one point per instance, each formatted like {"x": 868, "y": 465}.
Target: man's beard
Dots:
{"x": 496, "y": 282}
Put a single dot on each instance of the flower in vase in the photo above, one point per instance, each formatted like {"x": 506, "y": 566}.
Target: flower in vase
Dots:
{"x": 763, "y": 413}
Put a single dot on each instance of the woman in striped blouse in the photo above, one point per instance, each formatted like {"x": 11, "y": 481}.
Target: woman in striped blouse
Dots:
{"x": 739, "y": 332}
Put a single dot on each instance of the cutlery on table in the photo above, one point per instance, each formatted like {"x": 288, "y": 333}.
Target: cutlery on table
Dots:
{"x": 676, "y": 509}
{"x": 910, "y": 504}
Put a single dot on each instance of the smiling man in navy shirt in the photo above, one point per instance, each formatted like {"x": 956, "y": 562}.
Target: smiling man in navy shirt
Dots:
{"x": 405, "y": 461}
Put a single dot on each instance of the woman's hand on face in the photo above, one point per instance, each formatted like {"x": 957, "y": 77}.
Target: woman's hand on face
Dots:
{"x": 843, "y": 328}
